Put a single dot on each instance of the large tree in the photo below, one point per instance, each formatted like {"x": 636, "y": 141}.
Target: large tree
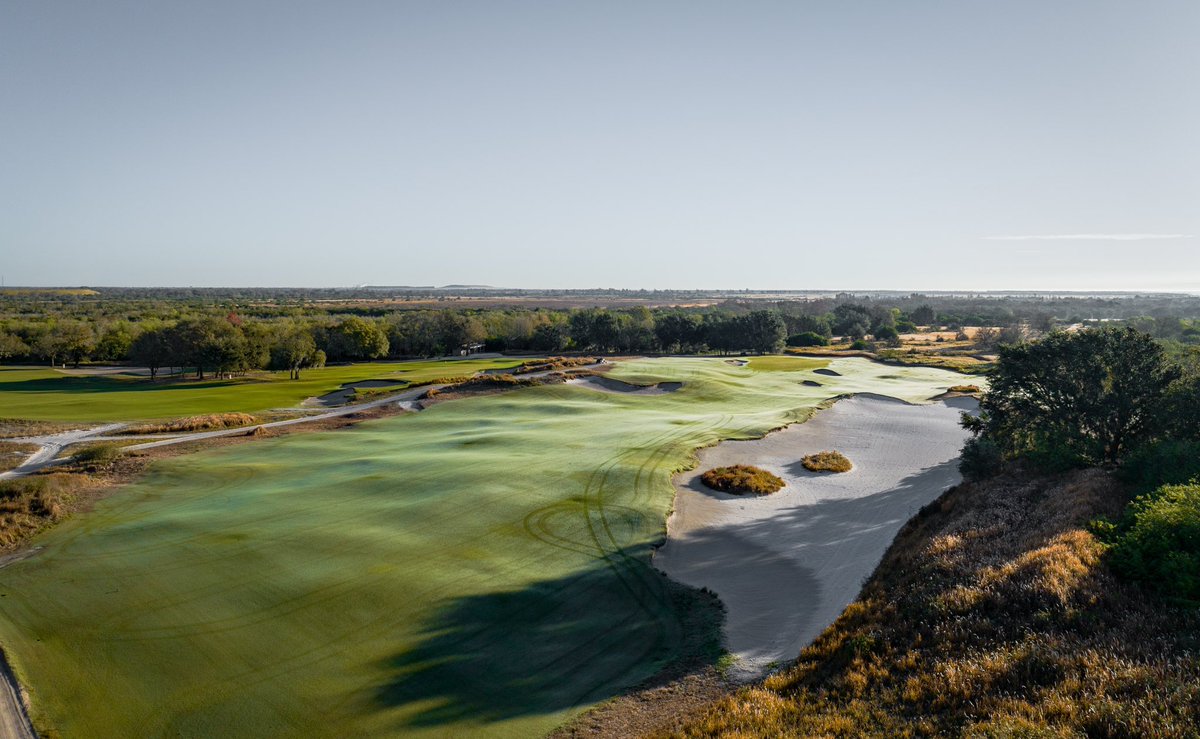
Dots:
{"x": 152, "y": 348}
{"x": 765, "y": 331}
{"x": 358, "y": 338}
{"x": 1089, "y": 396}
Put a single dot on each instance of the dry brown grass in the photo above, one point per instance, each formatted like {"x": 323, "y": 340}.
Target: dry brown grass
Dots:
{"x": 965, "y": 389}
{"x": 552, "y": 363}
{"x": 742, "y": 478}
{"x": 827, "y": 462}
{"x": 210, "y": 422}
{"x": 14, "y": 428}
{"x": 992, "y": 615}
{"x": 13, "y": 455}
{"x": 29, "y": 504}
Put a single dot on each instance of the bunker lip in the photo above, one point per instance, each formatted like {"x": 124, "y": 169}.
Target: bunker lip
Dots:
{"x": 620, "y": 387}
{"x": 786, "y": 565}
{"x": 345, "y": 393}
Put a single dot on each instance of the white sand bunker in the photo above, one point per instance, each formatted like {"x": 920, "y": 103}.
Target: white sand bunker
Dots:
{"x": 787, "y": 564}
{"x": 345, "y": 394}
{"x": 610, "y": 385}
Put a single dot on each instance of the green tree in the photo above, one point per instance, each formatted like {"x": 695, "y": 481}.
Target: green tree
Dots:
{"x": 765, "y": 331}
{"x": 114, "y": 343}
{"x": 12, "y": 346}
{"x": 151, "y": 349}
{"x": 923, "y": 315}
{"x": 1084, "y": 397}
{"x": 357, "y": 338}
{"x": 295, "y": 351}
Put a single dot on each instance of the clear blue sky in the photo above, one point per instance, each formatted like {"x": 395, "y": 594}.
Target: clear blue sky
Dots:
{"x": 602, "y": 144}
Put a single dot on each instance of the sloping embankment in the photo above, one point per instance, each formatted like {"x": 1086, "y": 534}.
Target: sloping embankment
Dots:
{"x": 992, "y": 614}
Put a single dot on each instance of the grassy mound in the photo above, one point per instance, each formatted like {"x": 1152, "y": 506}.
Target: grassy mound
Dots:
{"x": 742, "y": 478}
{"x": 827, "y": 462}
{"x": 964, "y": 389}
{"x": 991, "y": 615}
{"x": 206, "y": 422}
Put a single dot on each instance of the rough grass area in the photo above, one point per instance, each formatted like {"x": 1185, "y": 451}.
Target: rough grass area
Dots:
{"x": 992, "y": 615}
{"x": 827, "y": 462}
{"x": 49, "y": 395}
{"x": 15, "y": 428}
{"x": 94, "y": 455}
{"x": 965, "y": 389}
{"x": 742, "y": 478}
{"x": 28, "y": 504}
{"x": 485, "y": 383}
{"x": 481, "y": 568}
{"x": 195, "y": 423}
{"x": 552, "y": 363}
{"x": 13, "y": 455}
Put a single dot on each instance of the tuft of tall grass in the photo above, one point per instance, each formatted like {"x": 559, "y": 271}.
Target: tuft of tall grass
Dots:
{"x": 742, "y": 478}
{"x": 827, "y": 461}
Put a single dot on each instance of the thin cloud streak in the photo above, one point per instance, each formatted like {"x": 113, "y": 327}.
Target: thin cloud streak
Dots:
{"x": 1090, "y": 237}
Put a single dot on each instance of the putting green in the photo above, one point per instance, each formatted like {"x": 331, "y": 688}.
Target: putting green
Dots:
{"x": 49, "y": 395}
{"x": 480, "y": 568}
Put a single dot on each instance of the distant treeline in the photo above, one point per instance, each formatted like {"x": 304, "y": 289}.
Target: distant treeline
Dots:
{"x": 291, "y": 329}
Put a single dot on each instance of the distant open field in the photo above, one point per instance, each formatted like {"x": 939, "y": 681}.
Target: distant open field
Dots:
{"x": 479, "y": 568}
{"x": 45, "y": 394}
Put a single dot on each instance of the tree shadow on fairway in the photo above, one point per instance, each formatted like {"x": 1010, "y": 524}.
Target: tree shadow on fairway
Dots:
{"x": 87, "y": 384}
{"x": 552, "y": 646}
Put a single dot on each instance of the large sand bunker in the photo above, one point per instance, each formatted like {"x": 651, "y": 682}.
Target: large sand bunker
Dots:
{"x": 787, "y": 564}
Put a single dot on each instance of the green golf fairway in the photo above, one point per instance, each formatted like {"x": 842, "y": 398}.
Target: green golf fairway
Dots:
{"x": 477, "y": 569}
{"x": 48, "y": 395}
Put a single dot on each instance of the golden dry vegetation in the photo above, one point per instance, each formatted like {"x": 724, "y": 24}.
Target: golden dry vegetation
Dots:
{"x": 29, "y": 504}
{"x": 208, "y": 422}
{"x": 992, "y": 615}
{"x": 742, "y": 478}
{"x": 827, "y": 461}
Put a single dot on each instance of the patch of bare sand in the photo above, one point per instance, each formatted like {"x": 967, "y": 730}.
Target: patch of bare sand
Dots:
{"x": 786, "y": 565}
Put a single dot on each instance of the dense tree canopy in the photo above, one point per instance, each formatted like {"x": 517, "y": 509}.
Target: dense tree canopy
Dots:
{"x": 1088, "y": 396}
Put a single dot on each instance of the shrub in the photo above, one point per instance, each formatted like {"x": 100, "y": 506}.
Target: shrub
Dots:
{"x": 1170, "y": 462}
{"x": 807, "y": 338}
{"x": 887, "y": 334}
{"x": 827, "y": 462}
{"x": 1158, "y": 542}
{"x": 742, "y": 478}
{"x": 980, "y": 458}
{"x": 862, "y": 345}
{"x": 97, "y": 454}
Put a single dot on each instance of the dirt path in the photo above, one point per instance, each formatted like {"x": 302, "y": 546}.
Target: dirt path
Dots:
{"x": 51, "y": 445}
{"x": 14, "y": 721}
